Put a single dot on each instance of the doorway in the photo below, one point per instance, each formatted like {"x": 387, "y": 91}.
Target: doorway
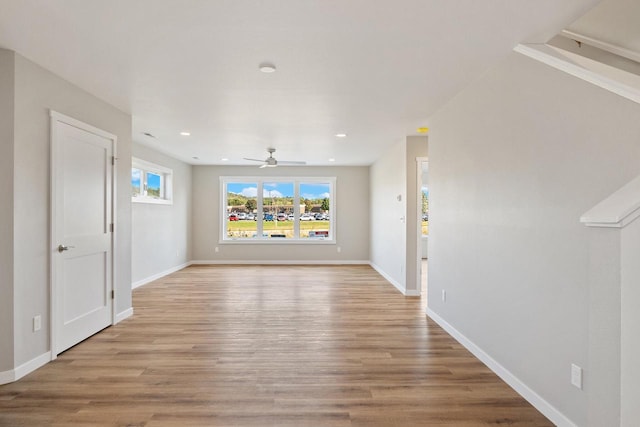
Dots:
{"x": 423, "y": 223}
{"x": 82, "y": 218}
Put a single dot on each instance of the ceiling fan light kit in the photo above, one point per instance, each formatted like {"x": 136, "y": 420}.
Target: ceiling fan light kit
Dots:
{"x": 271, "y": 162}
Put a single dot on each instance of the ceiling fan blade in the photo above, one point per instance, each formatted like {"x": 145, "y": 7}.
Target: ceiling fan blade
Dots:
{"x": 290, "y": 162}
{"x": 253, "y": 160}
{"x": 263, "y": 166}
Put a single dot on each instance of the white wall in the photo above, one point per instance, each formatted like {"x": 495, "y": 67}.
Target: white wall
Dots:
{"x": 394, "y": 223}
{"x": 6, "y": 208}
{"x": 388, "y": 180}
{"x": 514, "y": 161}
{"x": 630, "y": 324}
{"x": 36, "y": 92}
{"x": 352, "y": 222}
{"x": 161, "y": 234}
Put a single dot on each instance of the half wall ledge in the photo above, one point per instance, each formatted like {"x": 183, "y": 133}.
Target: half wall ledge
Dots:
{"x": 618, "y": 210}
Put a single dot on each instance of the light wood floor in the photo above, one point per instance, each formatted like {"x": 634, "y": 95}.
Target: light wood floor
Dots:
{"x": 267, "y": 346}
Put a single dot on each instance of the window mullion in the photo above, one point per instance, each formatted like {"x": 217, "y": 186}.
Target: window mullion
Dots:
{"x": 224, "y": 213}
{"x": 296, "y": 209}
{"x": 260, "y": 213}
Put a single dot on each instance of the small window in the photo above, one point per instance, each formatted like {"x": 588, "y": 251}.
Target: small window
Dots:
{"x": 151, "y": 183}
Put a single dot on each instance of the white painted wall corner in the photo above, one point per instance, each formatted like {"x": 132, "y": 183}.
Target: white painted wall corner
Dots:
{"x": 390, "y": 279}
{"x": 24, "y": 369}
{"x": 160, "y": 275}
{"x": 548, "y": 410}
{"x": 123, "y": 315}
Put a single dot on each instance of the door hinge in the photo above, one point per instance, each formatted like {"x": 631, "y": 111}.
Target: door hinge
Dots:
{"x": 113, "y": 294}
{"x": 113, "y": 160}
{"x": 111, "y": 227}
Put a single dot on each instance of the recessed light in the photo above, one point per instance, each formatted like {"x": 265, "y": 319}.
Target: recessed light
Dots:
{"x": 332, "y": 159}
{"x": 341, "y": 135}
{"x": 224, "y": 159}
{"x": 266, "y": 67}
{"x": 423, "y": 130}
{"x": 184, "y": 133}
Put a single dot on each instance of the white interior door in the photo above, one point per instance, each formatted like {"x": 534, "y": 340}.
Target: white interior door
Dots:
{"x": 81, "y": 231}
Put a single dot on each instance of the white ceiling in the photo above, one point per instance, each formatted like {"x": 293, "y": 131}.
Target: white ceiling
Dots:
{"x": 374, "y": 69}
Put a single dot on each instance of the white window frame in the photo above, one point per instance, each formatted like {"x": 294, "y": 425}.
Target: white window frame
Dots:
{"x": 259, "y": 181}
{"x": 166, "y": 182}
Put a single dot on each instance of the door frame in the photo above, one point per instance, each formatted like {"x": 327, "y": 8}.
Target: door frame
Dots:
{"x": 53, "y": 238}
{"x": 419, "y": 161}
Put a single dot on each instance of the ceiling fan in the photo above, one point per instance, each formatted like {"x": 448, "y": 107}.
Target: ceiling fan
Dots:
{"x": 271, "y": 162}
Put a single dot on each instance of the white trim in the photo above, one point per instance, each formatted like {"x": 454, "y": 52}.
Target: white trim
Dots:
{"x": 124, "y": 314}
{"x": 152, "y": 201}
{"x": 166, "y": 191}
{"x": 259, "y": 182}
{"x": 25, "y": 369}
{"x": 618, "y": 210}
{"x": 542, "y": 53}
{"x": 58, "y": 117}
{"x": 114, "y": 233}
{"x": 548, "y": 410}
{"x": 157, "y": 276}
{"x": 608, "y": 47}
{"x": 279, "y": 240}
{"x": 280, "y": 262}
{"x": 390, "y": 279}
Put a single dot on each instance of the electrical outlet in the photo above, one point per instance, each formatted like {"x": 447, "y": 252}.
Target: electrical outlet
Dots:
{"x": 576, "y": 376}
{"x": 217, "y": 249}
{"x": 37, "y": 323}
{"x": 444, "y": 296}
{"x": 339, "y": 249}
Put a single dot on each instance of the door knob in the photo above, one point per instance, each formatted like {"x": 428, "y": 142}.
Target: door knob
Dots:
{"x": 62, "y": 248}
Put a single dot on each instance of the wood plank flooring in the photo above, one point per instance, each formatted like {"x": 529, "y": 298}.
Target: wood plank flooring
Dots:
{"x": 267, "y": 346}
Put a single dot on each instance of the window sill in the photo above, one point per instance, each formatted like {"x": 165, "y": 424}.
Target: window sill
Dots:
{"x": 151, "y": 201}
{"x": 277, "y": 241}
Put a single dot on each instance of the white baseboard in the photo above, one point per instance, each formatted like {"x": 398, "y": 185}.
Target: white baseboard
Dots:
{"x": 279, "y": 262}
{"x": 159, "y": 275}
{"x": 24, "y": 369}
{"x": 389, "y": 279}
{"x": 123, "y": 315}
{"x": 548, "y": 410}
